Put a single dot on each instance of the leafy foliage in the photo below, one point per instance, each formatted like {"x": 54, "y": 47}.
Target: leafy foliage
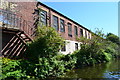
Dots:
{"x": 46, "y": 44}
{"x": 113, "y": 38}
{"x": 11, "y": 69}
{"x": 43, "y": 59}
{"x": 54, "y": 66}
{"x": 95, "y": 50}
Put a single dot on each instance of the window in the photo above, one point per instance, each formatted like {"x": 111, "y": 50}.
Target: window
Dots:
{"x": 43, "y": 17}
{"x": 63, "y": 47}
{"x": 75, "y": 30}
{"x": 89, "y": 35}
{"x": 62, "y": 26}
{"x": 55, "y": 22}
{"x": 76, "y": 46}
{"x": 69, "y": 29}
{"x": 81, "y": 32}
{"x": 86, "y": 34}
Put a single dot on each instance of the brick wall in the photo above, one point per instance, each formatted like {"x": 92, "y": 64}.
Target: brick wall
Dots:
{"x": 26, "y": 11}
{"x": 51, "y": 12}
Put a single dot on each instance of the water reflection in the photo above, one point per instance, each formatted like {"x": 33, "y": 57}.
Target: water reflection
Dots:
{"x": 104, "y": 70}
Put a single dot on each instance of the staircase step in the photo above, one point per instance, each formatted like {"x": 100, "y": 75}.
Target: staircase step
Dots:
{"x": 21, "y": 50}
{"x": 9, "y": 46}
{"x": 16, "y": 46}
{"x": 26, "y": 39}
{"x": 17, "y": 50}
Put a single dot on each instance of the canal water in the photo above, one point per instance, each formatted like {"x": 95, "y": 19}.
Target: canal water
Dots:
{"x": 105, "y": 70}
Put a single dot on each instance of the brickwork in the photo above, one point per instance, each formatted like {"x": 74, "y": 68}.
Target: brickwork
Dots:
{"x": 51, "y": 12}
{"x": 26, "y": 11}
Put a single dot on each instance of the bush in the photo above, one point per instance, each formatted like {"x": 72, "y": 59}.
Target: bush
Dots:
{"x": 95, "y": 50}
{"x": 43, "y": 53}
{"x": 54, "y": 66}
{"x": 44, "y": 61}
{"x": 11, "y": 69}
{"x": 70, "y": 61}
{"x": 113, "y": 38}
{"x": 113, "y": 49}
{"x": 108, "y": 56}
{"x": 46, "y": 44}
{"x": 17, "y": 69}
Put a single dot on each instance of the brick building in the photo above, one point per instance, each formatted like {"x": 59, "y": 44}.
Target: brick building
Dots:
{"x": 68, "y": 28}
{"x": 28, "y": 12}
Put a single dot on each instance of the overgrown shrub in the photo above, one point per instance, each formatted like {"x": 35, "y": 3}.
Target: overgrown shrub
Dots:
{"x": 54, "y": 66}
{"x": 95, "y": 50}
{"x": 11, "y": 69}
{"x": 23, "y": 69}
{"x": 44, "y": 61}
{"x": 113, "y": 49}
{"x": 43, "y": 51}
{"x": 70, "y": 61}
{"x": 46, "y": 44}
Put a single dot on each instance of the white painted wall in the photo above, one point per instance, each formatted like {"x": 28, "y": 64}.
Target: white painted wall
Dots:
{"x": 70, "y": 47}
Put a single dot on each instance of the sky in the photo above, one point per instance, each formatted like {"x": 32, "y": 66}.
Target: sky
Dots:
{"x": 102, "y": 15}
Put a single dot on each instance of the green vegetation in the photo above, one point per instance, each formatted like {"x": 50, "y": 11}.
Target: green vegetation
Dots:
{"x": 96, "y": 50}
{"x": 24, "y": 69}
{"x": 47, "y": 43}
{"x": 42, "y": 58}
{"x": 113, "y": 38}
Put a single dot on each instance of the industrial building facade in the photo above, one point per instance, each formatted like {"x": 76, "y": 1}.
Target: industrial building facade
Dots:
{"x": 21, "y": 19}
{"x": 68, "y": 28}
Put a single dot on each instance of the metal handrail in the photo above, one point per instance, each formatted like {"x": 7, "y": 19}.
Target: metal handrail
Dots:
{"x": 9, "y": 19}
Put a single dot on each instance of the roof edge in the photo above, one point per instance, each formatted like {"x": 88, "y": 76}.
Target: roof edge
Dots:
{"x": 62, "y": 15}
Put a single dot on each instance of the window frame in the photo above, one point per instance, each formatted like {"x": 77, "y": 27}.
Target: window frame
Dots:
{"x": 75, "y": 30}
{"x": 43, "y": 16}
{"x": 62, "y": 22}
{"x": 81, "y": 32}
{"x": 63, "y": 49}
{"x": 76, "y": 46}
{"x": 55, "y": 24}
{"x": 69, "y": 29}
{"x": 89, "y": 35}
{"x": 86, "y": 34}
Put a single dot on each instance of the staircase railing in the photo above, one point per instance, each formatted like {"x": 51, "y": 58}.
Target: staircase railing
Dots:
{"x": 10, "y": 20}
{"x": 17, "y": 45}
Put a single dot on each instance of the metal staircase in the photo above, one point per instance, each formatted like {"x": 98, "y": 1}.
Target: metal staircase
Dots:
{"x": 16, "y": 47}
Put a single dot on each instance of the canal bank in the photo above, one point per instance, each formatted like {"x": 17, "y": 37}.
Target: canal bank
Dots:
{"x": 109, "y": 69}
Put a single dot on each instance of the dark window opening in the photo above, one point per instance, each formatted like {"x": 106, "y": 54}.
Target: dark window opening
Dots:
{"x": 86, "y": 34}
{"x": 76, "y": 46}
{"x": 62, "y": 26}
{"x": 75, "y": 30}
{"x": 55, "y": 22}
{"x": 63, "y": 47}
{"x": 89, "y": 35}
{"x": 43, "y": 18}
{"x": 81, "y": 32}
{"x": 69, "y": 29}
